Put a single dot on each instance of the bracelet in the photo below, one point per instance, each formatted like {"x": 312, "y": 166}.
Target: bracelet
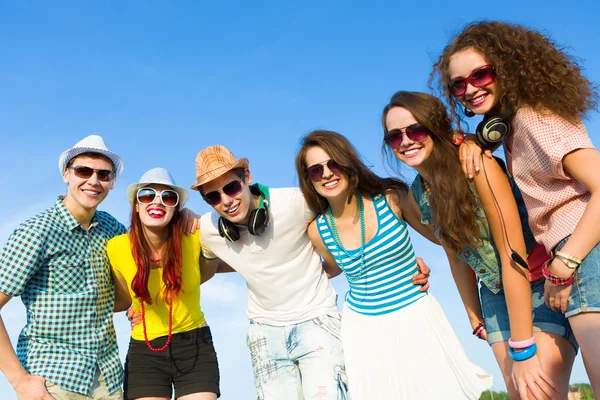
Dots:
{"x": 457, "y": 140}
{"x": 524, "y": 354}
{"x": 570, "y": 261}
{"x": 480, "y": 326}
{"x": 522, "y": 343}
{"x": 568, "y": 257}
{"x": 557, "y": 280}
{"x": 479, "y": 329}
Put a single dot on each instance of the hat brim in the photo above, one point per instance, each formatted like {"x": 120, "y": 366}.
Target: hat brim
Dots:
{"x": 134, "y": 187}
{"x": 70, "y": 154}
{"x": 215, "y": 173}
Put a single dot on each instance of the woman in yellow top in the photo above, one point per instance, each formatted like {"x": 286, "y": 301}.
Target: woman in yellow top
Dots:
{"x": 156, "y": 268}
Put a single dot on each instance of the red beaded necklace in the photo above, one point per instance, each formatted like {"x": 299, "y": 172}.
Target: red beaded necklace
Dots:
{"x": 170, "y": 327}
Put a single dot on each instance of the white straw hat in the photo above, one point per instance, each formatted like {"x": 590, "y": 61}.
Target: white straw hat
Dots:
{"x": 159, "y": 176}
{"x": 91, "y": 144}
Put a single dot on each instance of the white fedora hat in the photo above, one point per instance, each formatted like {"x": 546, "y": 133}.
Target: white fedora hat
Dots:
{"x": 90, "y": 144}
{"x": 159, "y": 176}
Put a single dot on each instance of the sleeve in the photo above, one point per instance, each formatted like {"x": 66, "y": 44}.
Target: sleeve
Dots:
{"x": 205, "y": 220}
{"x": 112, "y": 255}
{"x": 556, "y": 137}
{"x": 21, "y": 257}
{"x": 307, "y": 213}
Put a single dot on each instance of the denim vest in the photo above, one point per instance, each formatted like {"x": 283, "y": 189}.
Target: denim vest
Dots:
{"x": 484, "y": 260}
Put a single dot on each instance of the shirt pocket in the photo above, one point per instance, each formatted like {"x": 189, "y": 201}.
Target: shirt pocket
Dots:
{"x": 68, "y": 275}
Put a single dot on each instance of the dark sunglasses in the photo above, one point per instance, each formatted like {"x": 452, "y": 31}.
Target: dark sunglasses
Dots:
{"x": 104, "y": 175}
{"x": 232, "y": 189}
{"x": 315, "y": 172}
{"x": 481, "y": 77}
{"x": 168, "y": 197}
{"x": 414, "y": 132}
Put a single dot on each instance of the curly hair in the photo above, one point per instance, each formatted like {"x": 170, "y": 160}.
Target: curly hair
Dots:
{"x": 453, "y": 203}
{"x": 532, "y": 71}
{"x": 360, "y": 177}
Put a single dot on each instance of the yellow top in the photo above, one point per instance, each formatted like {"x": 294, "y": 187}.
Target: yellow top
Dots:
{"x": 187, "y": 314}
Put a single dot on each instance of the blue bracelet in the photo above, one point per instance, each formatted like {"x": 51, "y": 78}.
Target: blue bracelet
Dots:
{"x": 524, "y": 354}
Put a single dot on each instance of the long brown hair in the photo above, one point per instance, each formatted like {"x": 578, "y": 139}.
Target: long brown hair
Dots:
{"x": 340, "y": 149}
{"x": 452, "y": 200}
{"x": 531, "y": 70}
{"x": 171, "y": 257}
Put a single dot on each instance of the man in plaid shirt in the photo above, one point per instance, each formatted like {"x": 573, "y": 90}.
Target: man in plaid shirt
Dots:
{"x": 56, "y": 262}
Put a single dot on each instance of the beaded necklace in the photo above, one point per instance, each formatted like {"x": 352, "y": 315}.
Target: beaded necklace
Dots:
{"x": 154, "y": 349}
{"x": 361, "y": 253}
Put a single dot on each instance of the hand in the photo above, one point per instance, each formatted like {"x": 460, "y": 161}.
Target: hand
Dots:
{"x": 557, "y": 296}
{"x": 482, "y": 333}
{"x": 423, "y": 277}
{"x": 135, "y": 318}
{"x": 191, "y": 221}
{"x": 529, "y": 374}
{"x": 470, "y": 155}
{"x": 32, "y": 387}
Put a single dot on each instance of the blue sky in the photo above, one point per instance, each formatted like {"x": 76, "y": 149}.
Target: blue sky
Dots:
{"x": 161, "y": 80}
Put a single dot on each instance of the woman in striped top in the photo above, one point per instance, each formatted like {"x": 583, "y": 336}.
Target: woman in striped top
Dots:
{"x": 361, "y": 231}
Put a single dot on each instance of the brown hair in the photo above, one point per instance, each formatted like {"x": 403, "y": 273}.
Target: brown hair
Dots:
{"x": 340, "y": 149}
{"x": 531, "y": 71}
{"x": 171, "y": 257}
{"x": 452, "y": 200}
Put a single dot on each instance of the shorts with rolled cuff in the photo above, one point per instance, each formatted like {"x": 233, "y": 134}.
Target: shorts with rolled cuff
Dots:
{"x": 495, "y": 315}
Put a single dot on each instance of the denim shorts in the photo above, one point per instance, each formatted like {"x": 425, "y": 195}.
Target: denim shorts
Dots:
{"x": 495, "y": 315}
{"x": 585, "y": 294}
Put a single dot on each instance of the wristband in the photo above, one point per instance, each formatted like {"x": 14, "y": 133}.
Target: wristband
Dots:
{"x": 479, "y": 327}
{"x": 522, "y": 343}
{"x": 524, "y": 354}
{"x": 557, "y": 280}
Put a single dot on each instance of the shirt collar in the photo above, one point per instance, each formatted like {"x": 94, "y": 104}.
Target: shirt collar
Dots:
{"x": 67, "y": 218}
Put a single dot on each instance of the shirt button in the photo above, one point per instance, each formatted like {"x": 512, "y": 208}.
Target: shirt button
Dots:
{"x": 482, "y": 271}
{"x": 498, "y": 285}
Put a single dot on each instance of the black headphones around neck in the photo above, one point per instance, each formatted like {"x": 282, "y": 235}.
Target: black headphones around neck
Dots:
{"x": 491, "y": 131}
{"x": 257, "y": 221}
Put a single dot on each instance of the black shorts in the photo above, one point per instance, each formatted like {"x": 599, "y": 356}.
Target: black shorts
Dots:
{"x": 189, "y": 362}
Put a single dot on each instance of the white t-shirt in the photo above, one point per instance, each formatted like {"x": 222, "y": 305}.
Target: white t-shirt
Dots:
{"x": 286, "y": 282}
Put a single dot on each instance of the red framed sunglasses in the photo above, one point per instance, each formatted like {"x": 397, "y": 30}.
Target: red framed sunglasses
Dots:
{"x": 415, "y": 132}
{"x": 315, "y": 171}
{"x": 480, "y": 77}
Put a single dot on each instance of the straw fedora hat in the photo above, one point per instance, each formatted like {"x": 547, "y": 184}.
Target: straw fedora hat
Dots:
{"x": 213, "y": 162}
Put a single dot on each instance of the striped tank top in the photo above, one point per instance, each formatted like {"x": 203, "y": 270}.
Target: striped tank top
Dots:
{"x": 386, "y": 284}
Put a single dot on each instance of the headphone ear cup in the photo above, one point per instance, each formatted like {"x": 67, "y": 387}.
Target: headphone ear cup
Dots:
{"x": 257, "y": 222}
{"x": 491, "y": 132}
{"x": 228, "y": 230}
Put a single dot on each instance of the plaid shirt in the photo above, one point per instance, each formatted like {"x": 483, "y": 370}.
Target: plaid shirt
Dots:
{"x": 61, "y": 272}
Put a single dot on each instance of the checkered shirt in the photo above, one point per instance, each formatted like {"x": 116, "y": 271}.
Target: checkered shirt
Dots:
{"x": 61, "y": 272}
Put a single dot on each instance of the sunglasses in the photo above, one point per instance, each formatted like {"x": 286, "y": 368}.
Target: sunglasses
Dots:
{"x": 481, "y": 77}
{"x": 315, "y": 172}
{"x": 414, "y": 132}
{"x": 168, "y": 197}
{"x": 104, "y": 175}
{"x": 232, "y": 189}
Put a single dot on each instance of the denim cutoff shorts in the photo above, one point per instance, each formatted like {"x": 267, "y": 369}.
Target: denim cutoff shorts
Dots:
{"x": 495, "y": 315}
{"x": 585, "y": 293}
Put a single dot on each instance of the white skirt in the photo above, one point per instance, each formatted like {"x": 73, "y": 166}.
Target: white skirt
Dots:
{"x": 412, "y": 353}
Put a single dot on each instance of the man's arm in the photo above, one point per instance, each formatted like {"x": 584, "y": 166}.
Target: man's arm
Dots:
{"x": 26, "y": 386}
{"x": 329, "y": 265}
{"x": 122, "y": 296}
